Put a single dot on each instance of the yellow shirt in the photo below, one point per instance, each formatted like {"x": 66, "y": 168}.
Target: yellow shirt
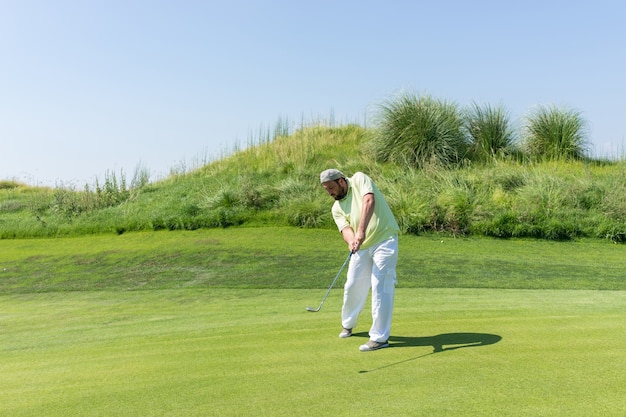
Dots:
{"x": 347, "y": 211}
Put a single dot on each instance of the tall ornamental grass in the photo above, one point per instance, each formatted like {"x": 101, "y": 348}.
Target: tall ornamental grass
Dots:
{"x": 416, "y": 131}
{"x": 554, "y": 133}
{"x": 489, "y": 132}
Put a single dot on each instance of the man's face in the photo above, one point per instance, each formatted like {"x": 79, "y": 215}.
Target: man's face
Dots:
{"x": 336, "y": 189}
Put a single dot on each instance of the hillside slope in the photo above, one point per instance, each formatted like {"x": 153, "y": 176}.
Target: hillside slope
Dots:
{"x": 276, "y": 183}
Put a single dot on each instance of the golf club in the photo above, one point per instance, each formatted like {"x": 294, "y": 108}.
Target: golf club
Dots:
{"x": 315, "y": 310}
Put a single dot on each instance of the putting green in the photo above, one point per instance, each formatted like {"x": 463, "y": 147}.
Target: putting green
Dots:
{"x": 204, "y": 352}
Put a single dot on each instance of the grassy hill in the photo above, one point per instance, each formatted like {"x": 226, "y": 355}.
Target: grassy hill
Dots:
{"x": 275, "y": 182}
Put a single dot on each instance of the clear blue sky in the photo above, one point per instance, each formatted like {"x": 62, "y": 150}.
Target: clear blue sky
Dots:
{"x": 91, "y": 86}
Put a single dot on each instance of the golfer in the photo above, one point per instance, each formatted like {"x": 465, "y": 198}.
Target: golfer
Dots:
{"x": 371, "y": 232}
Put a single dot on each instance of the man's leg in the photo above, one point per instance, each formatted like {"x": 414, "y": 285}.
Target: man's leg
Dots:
{"x": 356, "y": 288}
{"x": 385, "y": 257}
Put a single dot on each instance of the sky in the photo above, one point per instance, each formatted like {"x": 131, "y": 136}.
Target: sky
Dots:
{"x": 94, "y": 87}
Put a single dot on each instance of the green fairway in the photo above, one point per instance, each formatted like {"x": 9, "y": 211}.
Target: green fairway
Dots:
{"x": 214, "y": 323}
{"x": 241, "y": 352}
{"x": 275, "y": 257}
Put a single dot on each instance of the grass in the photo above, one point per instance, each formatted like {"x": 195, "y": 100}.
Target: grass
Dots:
{"x": 125, "y": 318}
{"x": 491, "y": 134}
{"x": 213, "y": 322}
{"x": 276, "y": 184}
{"x": 292, "y": 258}
{"x": 556, "y": 133}
{"x": 235, "y": 352}
{"x": 416, "y": 131}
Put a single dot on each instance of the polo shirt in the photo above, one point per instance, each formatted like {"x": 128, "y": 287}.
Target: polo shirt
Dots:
{"x": 347, "y": 211}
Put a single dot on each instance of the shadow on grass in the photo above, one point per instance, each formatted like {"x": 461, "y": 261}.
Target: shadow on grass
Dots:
{"x": 440, "y": 343}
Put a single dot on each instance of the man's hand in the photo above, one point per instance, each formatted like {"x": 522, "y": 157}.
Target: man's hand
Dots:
{"x": 351, "y": 239}
{"x": 355, "y": 245}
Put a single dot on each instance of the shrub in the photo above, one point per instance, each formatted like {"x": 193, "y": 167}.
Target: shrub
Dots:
{"x": 453, "y": 209}
{"x": 616, "y": 233}
{"x": 503, "y": 225}
{"x": 11, "y": 206}
{"x": 411, "y": 211}
{"x": 305, "y": 213}
{"x": 613, "y": 203}
{"x": 419, "y": 130}
{"x": 223, "y": 198}
{"x": 554, "y": 133}
{"x": 489, "y": 131}
{"x": 9, "y": 184}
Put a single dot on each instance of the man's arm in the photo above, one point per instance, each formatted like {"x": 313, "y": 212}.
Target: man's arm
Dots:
{"x": 355, "y": 240}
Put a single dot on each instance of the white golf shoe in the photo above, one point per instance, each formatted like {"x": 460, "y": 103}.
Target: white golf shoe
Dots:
{"x": 345, "y": 333}
{"x": 372, "y": 345}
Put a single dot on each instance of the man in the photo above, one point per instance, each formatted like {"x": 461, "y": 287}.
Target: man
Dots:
{"x": 371, "y": 232}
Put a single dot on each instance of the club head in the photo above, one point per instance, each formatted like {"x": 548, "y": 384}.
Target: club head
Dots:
{"x": 312, "y": 310}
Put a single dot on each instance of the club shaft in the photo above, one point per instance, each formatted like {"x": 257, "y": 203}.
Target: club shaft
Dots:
{"x": 333, "y": 283}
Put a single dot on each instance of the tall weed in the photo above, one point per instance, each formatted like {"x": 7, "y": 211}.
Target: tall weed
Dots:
{"x": 408, "y": 194}
{"x": 490, "y": 132}
{"x": 554, "y": 133}
{"x": 415, "y": 131}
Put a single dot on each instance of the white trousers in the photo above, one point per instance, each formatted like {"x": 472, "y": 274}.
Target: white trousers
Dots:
{"x": 375, "y": 268}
